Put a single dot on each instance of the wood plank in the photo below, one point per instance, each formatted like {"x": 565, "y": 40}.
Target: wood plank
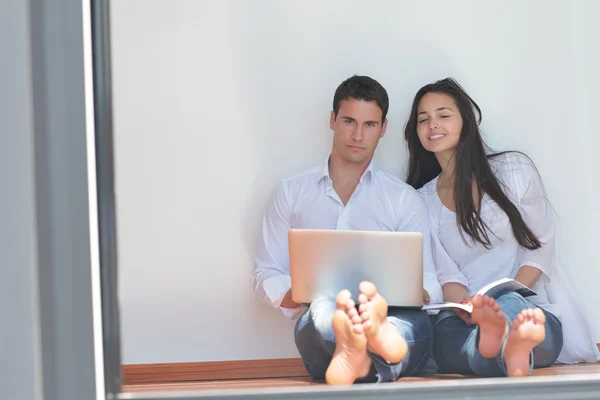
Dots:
{"x": 225, "y": 384}
{"x": 213, "y": 371}
{"x": 280, "y": 382}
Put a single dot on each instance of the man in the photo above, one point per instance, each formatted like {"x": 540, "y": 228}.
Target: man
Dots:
{"x": 337, "y": 340}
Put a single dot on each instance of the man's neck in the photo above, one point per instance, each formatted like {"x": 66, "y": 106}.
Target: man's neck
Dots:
{"x": 344, "y": 173}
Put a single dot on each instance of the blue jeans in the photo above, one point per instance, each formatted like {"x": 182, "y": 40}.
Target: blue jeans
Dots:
{"x": 455, "y": 343}
{"x": 316, "y": 341}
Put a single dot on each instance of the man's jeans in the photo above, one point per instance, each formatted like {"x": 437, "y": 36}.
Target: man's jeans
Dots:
{"x": 455, "y": 343}
{"x": 316, "y": 341}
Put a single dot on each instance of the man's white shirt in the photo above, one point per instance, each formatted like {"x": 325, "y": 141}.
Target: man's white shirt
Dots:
{"x": 381, "y": 202}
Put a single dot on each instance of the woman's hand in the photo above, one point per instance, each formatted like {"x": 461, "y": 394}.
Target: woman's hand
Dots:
{"x": 462, "y": 314}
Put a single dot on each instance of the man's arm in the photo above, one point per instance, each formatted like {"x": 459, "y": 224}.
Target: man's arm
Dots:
{"x": 271, "y": 277}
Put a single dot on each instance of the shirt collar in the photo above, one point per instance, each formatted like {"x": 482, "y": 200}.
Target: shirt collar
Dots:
{"x": 367, "y": 176}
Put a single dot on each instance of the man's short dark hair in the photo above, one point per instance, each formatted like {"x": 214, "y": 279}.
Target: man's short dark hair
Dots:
{"x": 362, "y": 88}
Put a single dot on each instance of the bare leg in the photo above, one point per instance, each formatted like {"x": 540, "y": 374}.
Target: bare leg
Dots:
{"x": 350, "y": 359}
{"x": 382, "y": 338}
{"x": 492, "y": 325}
{"x": 527, "y": 331}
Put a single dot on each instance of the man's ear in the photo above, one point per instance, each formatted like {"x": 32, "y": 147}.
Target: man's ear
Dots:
{"x": 383, "y": 128}
{"x": 331, "y": 120}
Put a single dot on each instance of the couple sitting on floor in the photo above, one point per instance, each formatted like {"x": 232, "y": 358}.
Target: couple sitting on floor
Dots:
{"x": 483, "y": 217}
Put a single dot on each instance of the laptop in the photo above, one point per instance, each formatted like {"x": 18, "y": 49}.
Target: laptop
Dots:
{"x": 323, "y": 262}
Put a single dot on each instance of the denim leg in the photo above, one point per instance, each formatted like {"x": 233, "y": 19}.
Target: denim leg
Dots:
{"x": 455, "y": 343}
{"x": 547, "y": 352}
{"x": 315, "y": 341}
{"x": 450, "y": 337}
{"x": 314, "y": 337}
{"x": 416, "y": 328}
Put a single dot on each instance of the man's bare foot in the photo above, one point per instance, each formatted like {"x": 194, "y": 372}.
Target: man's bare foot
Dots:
{"x": 382, "y": 338}
{"x": 492, "y": 325}
{"x": 350, "y": 359}
{"x": 527, "y": 331}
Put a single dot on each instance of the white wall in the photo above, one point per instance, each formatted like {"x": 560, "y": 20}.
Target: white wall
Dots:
{"x": 215, "y": 101}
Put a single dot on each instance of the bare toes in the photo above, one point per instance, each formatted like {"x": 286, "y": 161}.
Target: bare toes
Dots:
{"x": 341, "y": 300}
{"x": 350, "y": 305}
{"x": 539, "y": 315}
{"x": 362, "y": 298}
{"x": 520, "y": 318}
{"x": 364, "y": 316}
{"x": 368, "y": 289}
{"x": 358, "y": 329}
{"x": 492, "y": 325}
{"x": 352, "y": 312}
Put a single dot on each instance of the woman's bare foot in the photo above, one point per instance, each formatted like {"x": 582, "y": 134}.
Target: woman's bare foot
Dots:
{"x": 492, "y": 325}
{"x": 350, "y": 359}
{"x": 382, "y": 338}
{"x": 527, "y": 331}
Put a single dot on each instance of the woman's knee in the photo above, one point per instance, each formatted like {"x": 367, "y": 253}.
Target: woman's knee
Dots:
{"x": 512, "y": 304}
{"x": 511, "y": 297}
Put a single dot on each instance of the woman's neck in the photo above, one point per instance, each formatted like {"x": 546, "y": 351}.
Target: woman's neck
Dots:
{"x": 447, "y": 163}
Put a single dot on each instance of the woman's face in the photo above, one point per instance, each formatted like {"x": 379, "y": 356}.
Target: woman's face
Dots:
{"x": 439, "y": 123}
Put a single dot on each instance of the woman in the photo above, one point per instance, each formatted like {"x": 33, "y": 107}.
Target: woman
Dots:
{"x": 490, "y": 220}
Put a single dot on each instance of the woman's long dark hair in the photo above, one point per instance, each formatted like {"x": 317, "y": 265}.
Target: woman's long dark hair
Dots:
{"x": 471, "y": 161}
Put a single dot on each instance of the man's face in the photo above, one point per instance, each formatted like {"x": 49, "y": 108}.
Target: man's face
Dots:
{"x": 357, "y": 130}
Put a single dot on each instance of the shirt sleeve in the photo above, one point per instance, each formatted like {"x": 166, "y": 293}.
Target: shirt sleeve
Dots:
{"x": 447, "y": 270}
{"x": 537, "y": 213}
{"x": 419, "y": 221}
{"x": 271, "y": 277}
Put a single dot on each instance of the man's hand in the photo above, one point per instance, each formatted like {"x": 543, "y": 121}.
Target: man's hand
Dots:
{"x": 426, "y": 298}
{"x": 287, "y": 301}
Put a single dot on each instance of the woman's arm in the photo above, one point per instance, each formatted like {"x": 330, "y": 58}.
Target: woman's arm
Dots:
{"x": 539, "y": 216}
{"x": 528, "y": 275}
{"x": 455, "y": 292}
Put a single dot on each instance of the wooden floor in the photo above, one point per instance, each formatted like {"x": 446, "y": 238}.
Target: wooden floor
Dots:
{"x": 305, "y": 381}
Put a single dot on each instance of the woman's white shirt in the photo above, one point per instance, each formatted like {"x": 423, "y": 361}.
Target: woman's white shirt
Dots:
{"x": 458, "y": 258}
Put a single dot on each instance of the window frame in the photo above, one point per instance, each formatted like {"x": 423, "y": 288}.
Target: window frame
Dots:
{"x": 68, "y": 243}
